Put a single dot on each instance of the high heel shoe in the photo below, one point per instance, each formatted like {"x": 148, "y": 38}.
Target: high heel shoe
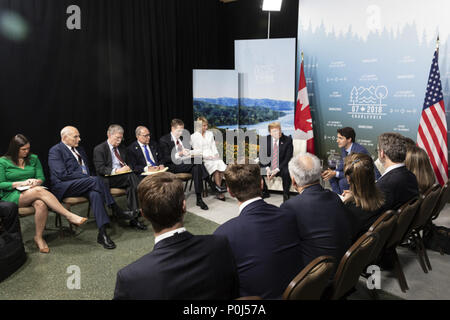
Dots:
{"x": 41, "y": 250}
{"x": 83, "y": 221}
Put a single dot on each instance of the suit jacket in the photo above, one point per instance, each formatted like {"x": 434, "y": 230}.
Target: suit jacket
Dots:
{"x": 136, "y": 159}
{"x": 183, "y": 266}
{"x": 103, "y": 158}
{"x": 324, "y": 224}
{"x": 356, "y": 148}
{"x": 285, "y": 151}
{"x": 266, "y": 247}
{"x": 167, "y": 148}
{"x": 399, "y": 186}
{"x": 64, "y": 168}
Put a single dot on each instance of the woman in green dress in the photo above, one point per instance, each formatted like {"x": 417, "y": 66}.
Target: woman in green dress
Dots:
{"x": 21, "y": 176}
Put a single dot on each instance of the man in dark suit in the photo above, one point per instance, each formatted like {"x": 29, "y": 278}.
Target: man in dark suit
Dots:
{"x": 110, "y": 161}
{"x": 279, "y": 152}
{"x": 176, "y": 155}
{"x": 263, "y": 238}
{"x": 324, "y": 224}
{"x": 70, "y": 177}
{"x": 181, "y": 265}
{"x": 398, "y": 184}
{"x": 346, "y": 141}
{"x": 143, "y": 154}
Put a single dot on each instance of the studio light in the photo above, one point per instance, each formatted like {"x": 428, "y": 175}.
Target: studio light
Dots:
{"x": 272, "y": 5}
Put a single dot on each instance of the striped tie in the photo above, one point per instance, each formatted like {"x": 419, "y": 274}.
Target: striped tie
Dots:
{"x": 275, "y": 156}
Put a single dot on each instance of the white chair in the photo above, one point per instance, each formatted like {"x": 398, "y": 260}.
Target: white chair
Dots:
{"x": 277, "y": 183}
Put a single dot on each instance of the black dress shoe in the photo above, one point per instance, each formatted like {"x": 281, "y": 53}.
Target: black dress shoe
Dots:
{"x": 221, "y": 199}
{"x": 215, "y": 187}
{"x": 201, "y": 204}
{"x": 135, "y": 223}
{"x": 124, "y": 215}
{"x": 105, "y": 241}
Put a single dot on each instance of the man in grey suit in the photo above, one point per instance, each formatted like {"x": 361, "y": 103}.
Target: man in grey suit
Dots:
{"x": 110, "y": 163}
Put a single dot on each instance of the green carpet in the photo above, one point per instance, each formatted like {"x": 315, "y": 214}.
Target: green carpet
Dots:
{"x": 44, "y": 276}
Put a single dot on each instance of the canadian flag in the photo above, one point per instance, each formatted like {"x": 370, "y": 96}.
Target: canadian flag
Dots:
{"x": 303, "y": 121}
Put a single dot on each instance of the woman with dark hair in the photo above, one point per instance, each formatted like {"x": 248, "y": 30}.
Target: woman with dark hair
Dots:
{"x": 21, "y": 177}
{"x": 418, "y": 162}
{"x": 364, "y": 200}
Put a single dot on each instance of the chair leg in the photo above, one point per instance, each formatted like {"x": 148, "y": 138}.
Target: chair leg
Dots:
{"x": 419, "y": 252}
{"x": 399, "y": 272}
{"x": 89, "y": 210}
{"x": 424, "y": 251}
{"x": 58, "y": 224}
{"x": 190, "y": 186}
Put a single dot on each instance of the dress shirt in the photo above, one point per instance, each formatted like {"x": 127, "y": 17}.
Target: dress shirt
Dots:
{"x": 83, "y": 165}
{"x": 150, "y": 153}
{"x": 169, "y": 234}
{"x": 115, "y": 162}
{"x": 246, "y": 203}
{"x": 395, "y": 166}
{"x": 177, "y": 156}
{"x": 348, "y": 150}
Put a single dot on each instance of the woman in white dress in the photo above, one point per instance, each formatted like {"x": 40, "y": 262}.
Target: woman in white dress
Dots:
{"x": 203, "y": 143}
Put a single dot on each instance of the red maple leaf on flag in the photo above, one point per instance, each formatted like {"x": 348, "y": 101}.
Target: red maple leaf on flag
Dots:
{"x": 303, "y": 118}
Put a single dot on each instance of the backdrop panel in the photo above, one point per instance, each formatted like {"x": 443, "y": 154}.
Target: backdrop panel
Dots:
{"x": 367, "y": 64}
{"x": 266, "y": 83}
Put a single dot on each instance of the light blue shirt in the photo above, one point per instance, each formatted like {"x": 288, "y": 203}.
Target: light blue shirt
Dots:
{"x": 115, "y": 162}
{"x": 348, "y": 152}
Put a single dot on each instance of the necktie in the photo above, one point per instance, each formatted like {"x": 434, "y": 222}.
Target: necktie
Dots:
{"x": 116, "y": 153}
{"x": 80, "y": 160}
{"x": 179, "y": 146}
{"x": 275, "y": 156}
{"x": 147, "y": 155}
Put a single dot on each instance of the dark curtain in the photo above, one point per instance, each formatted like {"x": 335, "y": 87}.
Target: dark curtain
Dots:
{"x": 131, "y": 63}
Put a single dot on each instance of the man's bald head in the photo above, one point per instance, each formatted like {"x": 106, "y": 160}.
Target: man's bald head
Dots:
{"x": 305, "y": 169}
{"x": 70, "y": 136}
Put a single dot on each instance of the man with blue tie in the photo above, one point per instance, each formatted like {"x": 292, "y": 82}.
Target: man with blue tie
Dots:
{"x": 110, "y": 161}
{"x": 70, "y": 177}
{"x": 346, "y": 141}
{"x": 143, "y": 154}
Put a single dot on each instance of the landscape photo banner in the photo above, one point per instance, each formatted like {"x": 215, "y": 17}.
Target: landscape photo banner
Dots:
{"x": 266, "y": 83}
{"x": 367, "y": 63}
{"x": 215, "y": 95}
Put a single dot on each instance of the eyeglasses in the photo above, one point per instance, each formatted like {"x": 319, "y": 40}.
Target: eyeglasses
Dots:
{"x": 146, "y": 135}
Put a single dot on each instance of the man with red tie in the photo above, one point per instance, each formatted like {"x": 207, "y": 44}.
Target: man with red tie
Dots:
{"x": 70, "y": 177}
{"x": 110, "y": 161}
{"x": 279, "y": 151}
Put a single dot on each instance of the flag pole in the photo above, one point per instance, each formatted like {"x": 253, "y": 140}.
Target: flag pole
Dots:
{"x": 302, "y": 56}
{"x": 437, "y": 43}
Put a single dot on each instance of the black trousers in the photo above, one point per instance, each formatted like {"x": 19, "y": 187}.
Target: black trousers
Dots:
{"x": 128, "y": 181}
{"x": 198, "y": 171}
{"x": 285, "y": 177}
{"x": 9, "y": 217}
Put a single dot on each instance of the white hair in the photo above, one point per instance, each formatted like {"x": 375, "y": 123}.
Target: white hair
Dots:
{"x": 65, "y": 131}
{"x": 114, "y": 128}
{"x": 305, "y": 168}
{"x": 139, "y": 129}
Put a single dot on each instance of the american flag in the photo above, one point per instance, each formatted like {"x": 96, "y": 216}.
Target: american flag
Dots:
{"x": 432, "y": 134}
{"x": 303, "y": 121}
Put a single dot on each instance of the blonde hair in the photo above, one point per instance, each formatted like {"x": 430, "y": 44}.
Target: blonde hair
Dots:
{"x": 274, "y": 125}
{"x": 418, "y": 162}
{"x": 360, "y": 170}
{"x": 202, "y": 119}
